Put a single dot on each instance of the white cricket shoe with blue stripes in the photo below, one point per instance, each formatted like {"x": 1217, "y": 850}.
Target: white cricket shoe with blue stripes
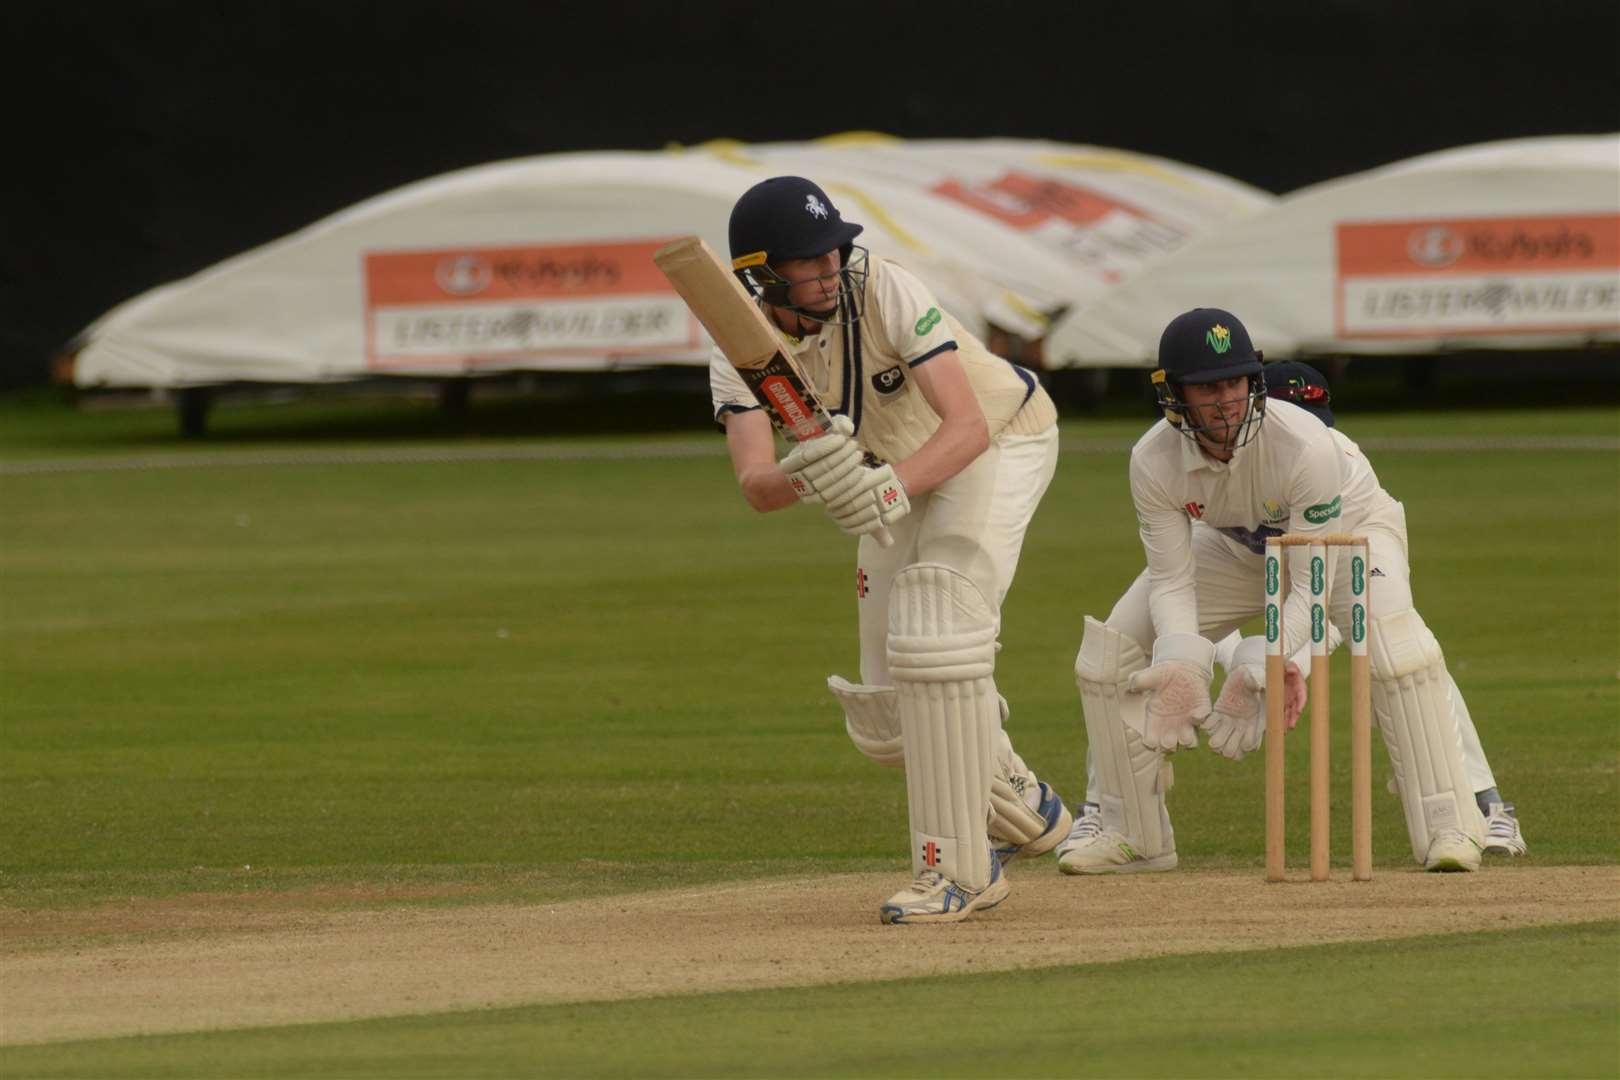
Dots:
{"x": 935, "y": 898}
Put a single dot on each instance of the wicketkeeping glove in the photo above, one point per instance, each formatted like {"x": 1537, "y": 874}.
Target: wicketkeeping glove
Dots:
{"x": 1177, "y": 689}
{"x": 822, "y": 467}
{"x": 875, "y": 499}
{"x": 1237, "y": 723}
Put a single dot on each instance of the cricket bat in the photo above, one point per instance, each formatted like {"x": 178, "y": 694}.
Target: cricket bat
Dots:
{"x": 747, "y": 339}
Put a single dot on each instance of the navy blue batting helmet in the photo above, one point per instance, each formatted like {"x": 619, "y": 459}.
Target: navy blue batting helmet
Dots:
{"x": 786, "y": 217}
{"x": 789, "y": 217}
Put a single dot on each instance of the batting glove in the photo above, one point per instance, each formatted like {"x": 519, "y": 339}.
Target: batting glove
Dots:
{"x": 874, "y": 500}
{"x": 822, "y": 467}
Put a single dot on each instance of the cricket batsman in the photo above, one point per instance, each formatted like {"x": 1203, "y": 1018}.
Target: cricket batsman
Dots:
{"x": 1224, "y": 469}
{"x": 946, "y": 449}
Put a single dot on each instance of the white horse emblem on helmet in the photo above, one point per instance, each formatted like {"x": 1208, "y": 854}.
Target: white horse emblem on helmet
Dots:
{"x": 815, "y": 206}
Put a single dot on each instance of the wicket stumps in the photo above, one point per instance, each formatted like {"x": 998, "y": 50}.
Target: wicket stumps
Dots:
{"x": 1360, "y": 705}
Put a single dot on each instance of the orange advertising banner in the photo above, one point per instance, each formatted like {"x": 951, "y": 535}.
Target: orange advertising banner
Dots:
{"x": 1479, "y": 245}
{"x": 1451, "y": 277}
{"x": 506, "y": 273}
{"x": 481, "y": 306}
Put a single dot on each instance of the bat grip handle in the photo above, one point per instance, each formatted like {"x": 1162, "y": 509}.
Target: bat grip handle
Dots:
{"x": 884, "y": 537}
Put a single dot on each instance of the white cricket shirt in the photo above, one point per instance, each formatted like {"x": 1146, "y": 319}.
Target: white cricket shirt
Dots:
{"x": 1290, "y": 477}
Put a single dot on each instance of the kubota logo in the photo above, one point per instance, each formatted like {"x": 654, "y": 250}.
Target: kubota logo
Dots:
{"x": 1271, "y": 623}
{"x": 1318, "y": 575}
{"x": 1434, "y": 245}
{"x": 1322, "y": 512}
{"x": 1219, "y": 338}
{"x": 929, "y": 320}
{"x": 1273, "y": 572}
{"x": 463, "y": 275}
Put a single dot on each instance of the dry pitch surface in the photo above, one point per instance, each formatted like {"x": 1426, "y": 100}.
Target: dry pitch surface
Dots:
{"x": 248, "y": 960}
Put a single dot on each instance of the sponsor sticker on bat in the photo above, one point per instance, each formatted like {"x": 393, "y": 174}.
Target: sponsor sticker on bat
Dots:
{"x": 797, "y": 416}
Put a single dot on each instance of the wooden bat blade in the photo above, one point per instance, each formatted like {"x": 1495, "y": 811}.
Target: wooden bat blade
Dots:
{"x": 719, "y": 301}
{"x": 744, "y": 335}
{"x": 747, "y": 339}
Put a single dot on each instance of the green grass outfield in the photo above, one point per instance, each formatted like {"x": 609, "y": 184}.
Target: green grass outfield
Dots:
{"x": 542, "y": 679}
{"x": 1538, "y": 1003}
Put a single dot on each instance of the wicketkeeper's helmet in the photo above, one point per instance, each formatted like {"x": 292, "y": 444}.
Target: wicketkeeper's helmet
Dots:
{"x": 1207, "y": 345}
{"x": 1290, "y": 380}
{"x": 789, "y": 217}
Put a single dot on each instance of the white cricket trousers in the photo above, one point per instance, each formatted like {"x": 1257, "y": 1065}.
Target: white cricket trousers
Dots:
{"x": 974, "y": 523}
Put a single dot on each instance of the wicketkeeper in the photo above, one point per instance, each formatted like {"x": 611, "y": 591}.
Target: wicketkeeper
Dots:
{"x": 1226, "y": 468}
{"x": 947, "y": 448}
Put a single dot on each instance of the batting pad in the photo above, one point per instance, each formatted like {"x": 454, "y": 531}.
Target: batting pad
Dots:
{"x": 872, "y": 718}
{"x": 1412, "y": 700}
{"x": 942, "y": 653}
{"x": 1132, "y": 779}
{"x": 1012, "y": 786}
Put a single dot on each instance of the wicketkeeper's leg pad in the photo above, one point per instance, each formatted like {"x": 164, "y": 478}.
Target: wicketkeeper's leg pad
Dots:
{"x": 941, "y": 653}
{"x": 1132, "y": 780}
{"x": 872, "y": 718}
{"x": 1411, "y": 698}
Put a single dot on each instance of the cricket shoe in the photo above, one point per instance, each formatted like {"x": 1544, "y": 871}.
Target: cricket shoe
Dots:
{"x": 1057, "y": 819}
{"x": 935, "y": 898}
{"x": 1502, "y": 833}
{"x": 1452, "y": 851}
{"x": 1090, "y": 848}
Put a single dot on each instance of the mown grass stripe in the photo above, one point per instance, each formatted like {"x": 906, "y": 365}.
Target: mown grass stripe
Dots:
{"x": 654, "y": 451}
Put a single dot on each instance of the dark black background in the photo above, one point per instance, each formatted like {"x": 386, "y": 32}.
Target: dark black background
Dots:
{"x": 153, "y": 139}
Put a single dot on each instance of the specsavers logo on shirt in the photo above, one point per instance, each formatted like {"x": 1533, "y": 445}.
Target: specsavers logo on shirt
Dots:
{"x": 929, "y": 320}
{"x": 1322, "y": 512}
